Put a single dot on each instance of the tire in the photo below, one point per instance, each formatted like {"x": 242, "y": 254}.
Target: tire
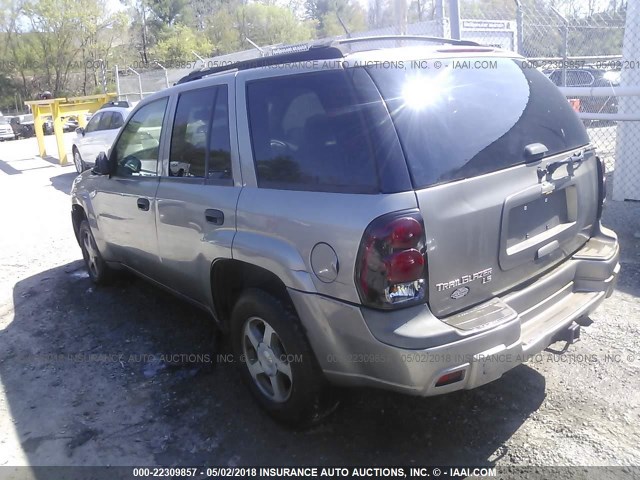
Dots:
{"x": 99, "y": 272}
{"x": 77, "y": 161}
{"x": 283, "y": 374}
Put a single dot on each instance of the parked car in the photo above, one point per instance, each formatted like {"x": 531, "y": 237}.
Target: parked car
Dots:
{"x": 590, "y": 77}
{"x": 421, "y": 230}
{"x": 97, "y": 136}
{"x": 23, "y": 126}
{"x": 47, "y": 125}
{"x": 70, "y": 124}
{"x": 6, "y": 131}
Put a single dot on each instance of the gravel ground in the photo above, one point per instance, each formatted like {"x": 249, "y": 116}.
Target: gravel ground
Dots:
{"x": 82, "y": 383}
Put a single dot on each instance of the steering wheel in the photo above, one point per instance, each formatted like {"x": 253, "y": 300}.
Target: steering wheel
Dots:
{"x": 132, "y": 164}
{"x": 146, "y": 136}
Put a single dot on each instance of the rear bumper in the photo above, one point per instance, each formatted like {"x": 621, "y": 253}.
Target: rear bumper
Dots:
{"x": 409, "y": 350}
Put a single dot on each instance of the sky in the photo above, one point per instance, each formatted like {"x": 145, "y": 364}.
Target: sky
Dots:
{"x": 114, "y": 5}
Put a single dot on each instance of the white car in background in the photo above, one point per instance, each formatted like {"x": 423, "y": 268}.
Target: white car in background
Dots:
{"x": 6, "y": 130}
{"x": 99, "y": 134}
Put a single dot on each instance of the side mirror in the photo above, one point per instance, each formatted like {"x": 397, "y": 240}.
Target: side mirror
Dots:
{"x": 102, "y": 166}
{"x": 80, "y": 131}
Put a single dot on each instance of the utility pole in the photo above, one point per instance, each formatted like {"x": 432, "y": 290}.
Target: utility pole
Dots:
{"x": 454, "y": 19}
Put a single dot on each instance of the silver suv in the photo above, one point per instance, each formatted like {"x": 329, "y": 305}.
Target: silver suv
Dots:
{"x": 419, "y": 219}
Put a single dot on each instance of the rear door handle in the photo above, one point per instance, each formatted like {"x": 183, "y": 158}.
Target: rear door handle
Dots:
{"x": 143, "y": 204}
{"x": 214, "y": 216}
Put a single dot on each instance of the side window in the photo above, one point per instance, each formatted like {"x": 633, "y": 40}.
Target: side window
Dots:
{"x": 188, "y": 154}
{"x": 138, "y": 147}
{"x": 92, "y": 126}
{"x": 117, "y": 120}
{"x": 585, "y": 79}
{"x": 577, "y": 78}
{"x": 200, "y": 141}
{"x": 310, "y": 132}
{"x": 105, "y": 121}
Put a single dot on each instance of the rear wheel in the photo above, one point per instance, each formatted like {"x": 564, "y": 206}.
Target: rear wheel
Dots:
{"x": 99, "y": 271}
{"x": 276, "y": 360}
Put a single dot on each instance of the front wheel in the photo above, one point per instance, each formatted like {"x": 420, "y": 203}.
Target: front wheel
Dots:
{"x": 276, "y": 360}
{"x": 99, "y": 271}
{"x": 77, "y": 161}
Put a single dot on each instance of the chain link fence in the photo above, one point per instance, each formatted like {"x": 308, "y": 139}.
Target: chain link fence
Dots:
{"x": 580, "y": 46}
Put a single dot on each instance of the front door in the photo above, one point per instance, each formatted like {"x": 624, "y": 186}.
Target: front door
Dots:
{"x": 125, "y": 203}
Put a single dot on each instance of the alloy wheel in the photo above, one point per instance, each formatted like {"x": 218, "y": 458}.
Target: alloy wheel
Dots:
{"x": 266, "y": 360}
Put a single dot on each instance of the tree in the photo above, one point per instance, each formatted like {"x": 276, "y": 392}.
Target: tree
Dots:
{"x": 168, "y": 12}
{"x": 99, "y": 31}
{"x": 18, "y": 54}
{"x": 421, "y": 10}
{"x": 139, "y": 28}
{"x": 177, "y": 43}
{"x": 380, "y": 14}
{"x": 270, "y": 24}
{"x": 55, "y": 24}
{"x": 330, "y": 14}
{"x": 221, "y": 29}
{"x": 265, "y": 25}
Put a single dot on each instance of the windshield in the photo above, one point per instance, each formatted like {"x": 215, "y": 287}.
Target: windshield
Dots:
{"x": 468, "y": 117}
{"x": 4, "y": 120}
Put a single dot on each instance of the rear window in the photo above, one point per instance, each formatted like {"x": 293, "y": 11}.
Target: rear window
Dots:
{"x": 323, "y": 131}
{"x": 458, "y": 121}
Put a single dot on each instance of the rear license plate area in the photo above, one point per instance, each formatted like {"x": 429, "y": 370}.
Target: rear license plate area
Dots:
{"x": 536, "y": 217}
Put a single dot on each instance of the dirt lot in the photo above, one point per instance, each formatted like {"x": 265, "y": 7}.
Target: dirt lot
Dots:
{"x": 82, "y": 382}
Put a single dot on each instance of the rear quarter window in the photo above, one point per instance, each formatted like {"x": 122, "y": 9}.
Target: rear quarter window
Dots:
{"x": 323, "y": 131}
{"x": 460, "y": 122}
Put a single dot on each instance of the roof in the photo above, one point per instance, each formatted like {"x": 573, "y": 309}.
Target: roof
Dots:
{"x": 332, "y": 50}
{"x": 116, "y": 103}
{"x": 112, "y": 109}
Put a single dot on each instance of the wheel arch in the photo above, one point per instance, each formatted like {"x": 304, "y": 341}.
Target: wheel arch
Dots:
{"x": 230, "y": 277}
{"x": 77, "y": 215}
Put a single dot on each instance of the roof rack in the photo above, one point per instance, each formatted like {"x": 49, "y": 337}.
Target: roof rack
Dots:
{"x": 417, "y": 38}
{"x": 116, "y": 103}
{"x": 320, "y": 51}
{"x": 315, "y": 51}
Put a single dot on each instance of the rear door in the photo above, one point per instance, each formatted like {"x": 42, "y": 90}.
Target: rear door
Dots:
{"x": 494, "y": 217}
{"x": 199, "y": 189}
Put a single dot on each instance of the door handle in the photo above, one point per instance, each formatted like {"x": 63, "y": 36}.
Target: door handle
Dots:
{"x": 214, "y": 216}
{"x": 143, "y": 204}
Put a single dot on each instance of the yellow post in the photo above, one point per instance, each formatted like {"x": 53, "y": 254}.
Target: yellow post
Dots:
{"x": 59, "y": 107}
{"x": 57, "y": 130}
{"x": 82, "y": 120}
{"x": 37, "y": 125}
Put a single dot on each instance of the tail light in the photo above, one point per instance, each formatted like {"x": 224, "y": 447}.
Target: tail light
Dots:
{"x": 391, "y": 262}
{"x": 602, "y": 185}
